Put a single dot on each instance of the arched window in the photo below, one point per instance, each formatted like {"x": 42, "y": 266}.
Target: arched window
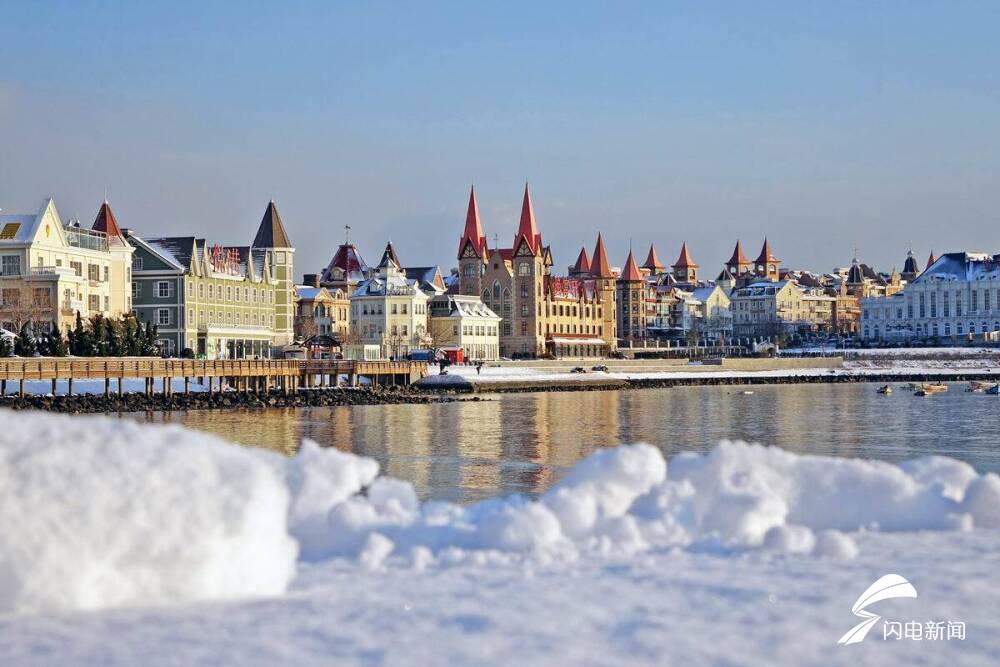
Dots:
{"x": 524, "y": 269}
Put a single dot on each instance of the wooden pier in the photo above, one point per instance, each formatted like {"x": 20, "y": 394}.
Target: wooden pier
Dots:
{"x": 248, "y": 375}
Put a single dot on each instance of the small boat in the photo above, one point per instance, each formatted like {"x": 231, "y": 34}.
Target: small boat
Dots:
{"x": 994, "y": 390}
{"x": 978, "y": 386}
{"x": 885, "y": 389}
{"x": 747, "y": 392}
{"x": 928, "y": 389}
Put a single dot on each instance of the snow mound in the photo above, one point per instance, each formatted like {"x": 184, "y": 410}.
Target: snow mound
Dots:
{"x": 626, "y": 500}
{"x": 98, "y": 512}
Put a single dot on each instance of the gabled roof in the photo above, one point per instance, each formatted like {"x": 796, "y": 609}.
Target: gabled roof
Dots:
{"x": 271, "y": 233}
{"x": 653, "y": 262}
{"x": 684, "y": 260}
{"x": 175, "y": 250}
{"x": 582, "y": 262}
{"x": 473, "y": 229}
{"x": 600, "y": 267}
{"x": 766, "y": 256}
{"x": 631, "y": 272}
{"x": 349, "y": 260}
{"x": 429, "y": 277}
{"x": 725, "y": 275}
{"x": 527, "y": 229}
{"x": 738, "y": 257}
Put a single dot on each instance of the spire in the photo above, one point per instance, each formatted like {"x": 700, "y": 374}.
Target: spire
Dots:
{"x": 600, "y": 268}
{"x": 527, "y": 229}
{"x": 389, "y": 255}
{"x": 582, "y": 262}
{"x": 271, "y": 233}
{"x": 910, "y": 265}
{"x": 631, "y": 272}
{"x": 738, "y": 259}
{"x": 473, "y": 228}
{"x": 766, "y": 256}
{"x": 930, "y": 260}
{"x": 684, "y": 261}
{"x": 653, "y": 262}
{"x": 106, "y": 222}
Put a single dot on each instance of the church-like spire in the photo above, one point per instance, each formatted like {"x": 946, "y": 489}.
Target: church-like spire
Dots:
{"x": 684, "y": 261}
{"x": 600, "y": 267}
{"x": 653, "y": 262}
{"x": 271, "y": 233}
{"x": 106, "y": 222}
{"x": 631, "y": 272}
{"x": 582, "y": 262}
{"x": 766, "y": 256}
{"x": 473, "y": 229}
{"x": 389, "y": 255}
{"x": 930, "y": 260}
{"x": 527, "y": 229}
{"x": 738, "y": 259}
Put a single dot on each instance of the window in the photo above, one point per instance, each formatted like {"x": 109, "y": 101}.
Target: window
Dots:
{"x": 94, "y": 302}
{"x": 201, "y": 290}
{"x": 106, "y": 273}
{"x": 164, "y": 289}
{"x": 41, "y": 296}
{"x": 11, "y": 265}
{"x": 11, "y": 297}
{"x": 190, "y": 290}
{"x": 93, "y": 272}
{"x": 137, "y": 263}
{"x": 136, "y": 290}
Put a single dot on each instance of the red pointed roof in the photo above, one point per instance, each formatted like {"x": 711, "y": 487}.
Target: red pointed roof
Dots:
{"x": 527, "y": 229}
{"x": 653, "y": 262}
{"x": 930, "y": 260}
{"x": 106, "y": 222}
{"x": 600, "y": 267}
{"x": 631, "y": 272}
{"x": 738, "y": 257}
{"x": 766, "y": 256}
{"x": 684, "y": 261}
{"x": 582, "y": 262}
{"x": 473, "y": 228}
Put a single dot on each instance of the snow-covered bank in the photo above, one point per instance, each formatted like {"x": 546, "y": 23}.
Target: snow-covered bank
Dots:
{"x": 743, "y": 555}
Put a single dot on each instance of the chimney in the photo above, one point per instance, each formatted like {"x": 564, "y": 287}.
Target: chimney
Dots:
{"x": 311, "y": 279}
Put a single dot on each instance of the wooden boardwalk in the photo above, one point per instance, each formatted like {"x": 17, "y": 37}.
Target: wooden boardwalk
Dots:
{"x": 257, "y": 375}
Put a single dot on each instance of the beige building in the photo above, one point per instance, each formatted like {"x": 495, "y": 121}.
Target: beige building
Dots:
{"x": 49, "y": 271}
{"x": 390, "y": 310}
{"x": 465, "y": 322}
{"x": 768, "y": 309}
{"x": 321, "y": 311}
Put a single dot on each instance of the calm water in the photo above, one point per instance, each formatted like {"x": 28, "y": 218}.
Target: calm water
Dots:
{"x": 522, "y": 443}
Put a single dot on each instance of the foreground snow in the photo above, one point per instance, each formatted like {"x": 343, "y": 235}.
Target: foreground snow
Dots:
{"x": 195, "y": 551}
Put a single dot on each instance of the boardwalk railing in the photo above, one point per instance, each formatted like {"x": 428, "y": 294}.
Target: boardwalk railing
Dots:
{"x": 241, "y": 374}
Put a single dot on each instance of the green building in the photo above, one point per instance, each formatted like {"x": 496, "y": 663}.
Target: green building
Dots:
{"x": 221, "y": 302}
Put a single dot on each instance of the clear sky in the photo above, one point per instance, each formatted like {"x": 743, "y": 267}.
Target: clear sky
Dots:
{"x": 824, "y": 125}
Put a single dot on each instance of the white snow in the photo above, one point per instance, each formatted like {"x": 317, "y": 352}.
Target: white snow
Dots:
{"x": 742, "y": 555}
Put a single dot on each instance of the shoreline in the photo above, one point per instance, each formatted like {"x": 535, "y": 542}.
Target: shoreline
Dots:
{"x": 465, "y": 388}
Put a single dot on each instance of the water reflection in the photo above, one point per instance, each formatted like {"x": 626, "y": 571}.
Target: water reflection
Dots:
{"x": 522, "y": 443}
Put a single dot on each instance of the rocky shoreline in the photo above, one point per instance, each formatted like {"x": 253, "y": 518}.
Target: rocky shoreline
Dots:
{"x": 139, "y": 402}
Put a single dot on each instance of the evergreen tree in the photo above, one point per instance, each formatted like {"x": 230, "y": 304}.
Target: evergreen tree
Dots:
{"x": 79, "y": 339}
{"x": 57, "y": 346}
{"x": 5, "y": 347}
{"x": 149, "y": 341}
{"x": 26, "y": 345}
{"x": 116, "y": 345}
{"x": 131, "y": 333}
{"x": 98, "y": 336}
{"x": 42, "y": 341}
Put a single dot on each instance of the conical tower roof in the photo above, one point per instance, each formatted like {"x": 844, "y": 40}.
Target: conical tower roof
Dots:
{"x": 910, "y": 265}
{"x": 582, "y": 262}
{"x": 389, "y": 255}
{"x": 271, "y": 233}
{"x": 527, "y": 229}
{"x": 738, "y": 257}
{"x": 600, "y": 267}
{"x": 930, "y": 260}
{"x": 653, "y": 262}
{"x": 684, "y": 260}
{"x": 631, "y": 272}
{"x": 473, "y": 228}
{"x": 106, "y": 222}
{"x": 766, "y": 256}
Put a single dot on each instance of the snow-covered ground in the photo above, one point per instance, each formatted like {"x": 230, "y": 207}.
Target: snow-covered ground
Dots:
{"x": 124, "y": 543}
{"x": 894, "y": 351}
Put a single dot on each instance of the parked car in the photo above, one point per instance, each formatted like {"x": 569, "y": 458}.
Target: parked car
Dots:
{"x": 578, "y": 369}
{"x": 600, "y": 369}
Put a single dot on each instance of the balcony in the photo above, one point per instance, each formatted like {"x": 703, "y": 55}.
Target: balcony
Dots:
{"x": 72, "y": 306}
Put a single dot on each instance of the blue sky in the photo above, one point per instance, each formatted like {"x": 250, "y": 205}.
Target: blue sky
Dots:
{"x": 822, "y": 125}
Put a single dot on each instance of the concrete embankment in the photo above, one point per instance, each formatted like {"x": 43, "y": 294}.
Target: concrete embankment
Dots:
{"x": 140, "y": 402}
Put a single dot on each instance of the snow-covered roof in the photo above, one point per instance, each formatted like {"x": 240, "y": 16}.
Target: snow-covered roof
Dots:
{"x": 962, "y": 266}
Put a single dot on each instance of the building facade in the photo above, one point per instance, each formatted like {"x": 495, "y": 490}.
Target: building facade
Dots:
{"x": 389, "y": 310}
{"x": 459, "y": 320}
{"x": 50, "y": 271}
{"x": 956, "y": 297}
{"x": 770, "y": 309}
{"x": 219, "y": 302}
{"x": 322, "y": 312}
{"x": 541, "y": 314}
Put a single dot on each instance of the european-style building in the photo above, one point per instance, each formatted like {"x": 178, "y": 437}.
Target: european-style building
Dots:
{"x": 541, "y": 313}
{"x": 774, "y": 308}
{"x": 464, "y": 321}
{"x": 228, "y": 302}
{"x": 321, "y": 312}
{"x": 50, "y": 271}
{"x": 956, "y": 297}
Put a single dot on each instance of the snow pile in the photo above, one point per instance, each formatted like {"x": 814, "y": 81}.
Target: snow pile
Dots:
{"x": 626, "y": 500}
{"x": 98, "y": 512}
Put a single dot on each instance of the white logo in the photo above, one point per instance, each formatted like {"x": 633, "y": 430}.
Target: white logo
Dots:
{"x": 888, "y": 587}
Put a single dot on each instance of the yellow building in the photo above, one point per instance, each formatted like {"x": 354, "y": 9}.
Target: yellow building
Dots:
{"x": 466, "y": 322}
{"x": 50, "y": 271}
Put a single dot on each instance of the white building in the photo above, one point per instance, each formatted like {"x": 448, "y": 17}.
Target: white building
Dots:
{"x": 958, "y": 296}
{"x": 390, "y": 310}
{"x": 465, "y": 322}
{"x": 49, "y": 271}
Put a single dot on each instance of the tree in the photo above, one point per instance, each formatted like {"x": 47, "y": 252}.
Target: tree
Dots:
{"x": 57, "y": 346}
{"x": 5, "y": 346}
{"x": 26, "y": 345}
{"x": 80, "y": 340}
{"x": 149, "y": 340}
